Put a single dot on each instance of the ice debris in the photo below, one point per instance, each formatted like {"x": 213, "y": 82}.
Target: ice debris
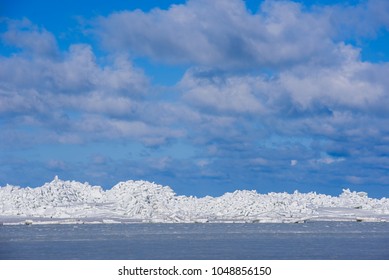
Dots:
{"x": 141, "y": 201}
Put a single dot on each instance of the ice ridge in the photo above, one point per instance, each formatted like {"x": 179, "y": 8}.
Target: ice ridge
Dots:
{"x": 140, "y": 201}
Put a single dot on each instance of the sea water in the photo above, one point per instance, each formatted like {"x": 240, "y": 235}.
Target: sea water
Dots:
{"x": 315, "y": 240}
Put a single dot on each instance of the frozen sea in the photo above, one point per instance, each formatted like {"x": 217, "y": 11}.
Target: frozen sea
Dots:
{"x": 314, "y": 240}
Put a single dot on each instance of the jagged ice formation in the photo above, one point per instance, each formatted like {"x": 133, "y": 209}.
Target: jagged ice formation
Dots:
{"x": 141, "y": 201}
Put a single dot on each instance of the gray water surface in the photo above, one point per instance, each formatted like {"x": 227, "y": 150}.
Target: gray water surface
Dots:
{"x": 316, "y": 240}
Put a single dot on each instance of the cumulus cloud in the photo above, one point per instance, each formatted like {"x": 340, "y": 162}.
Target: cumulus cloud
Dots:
{"x": 222, "y": 94}
{"x": 223, "y": 33}
{"x": 347, "y": 86}
{"x": 76, "y": 72}
{"x": 27, "y": 37}
{"x": 71, "y": 97}
{"x": 366, "y": 19}
{"x": 306, "y": 90}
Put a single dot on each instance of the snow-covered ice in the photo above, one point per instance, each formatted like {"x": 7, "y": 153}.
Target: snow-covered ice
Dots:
{"x": 140, "y": 201}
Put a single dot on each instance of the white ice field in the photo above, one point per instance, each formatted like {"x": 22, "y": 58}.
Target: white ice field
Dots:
{"x": 61, "y": 201}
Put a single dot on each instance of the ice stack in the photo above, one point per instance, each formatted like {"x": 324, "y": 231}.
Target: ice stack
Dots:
{"x": 142, "y": 201}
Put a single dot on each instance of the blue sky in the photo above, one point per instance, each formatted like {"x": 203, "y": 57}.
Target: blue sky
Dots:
{"x": 203, "y": 96}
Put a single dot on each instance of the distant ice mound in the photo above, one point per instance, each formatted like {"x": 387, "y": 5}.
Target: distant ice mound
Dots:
{"x": 140, "y": 201}
{"x": 54, "y": 199}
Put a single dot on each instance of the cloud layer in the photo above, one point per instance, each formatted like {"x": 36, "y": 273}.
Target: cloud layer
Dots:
{"x": 272, "y": 99}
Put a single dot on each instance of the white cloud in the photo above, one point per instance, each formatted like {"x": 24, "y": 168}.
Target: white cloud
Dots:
{"x": 330, "y": 160}
{"x": 365, "y": 19}
{"x": 97, "y": 127}
{"x": 34, "y": 77}
{"x": 347, "y": 85}
{"x": 80, "y": 70}
{"x": 30, "y": 38}
{"x": 222, "y": 33}
{"x": 76, "y": 73}
{"x": 223, "y": 94}
{"x": 71, "y": 98}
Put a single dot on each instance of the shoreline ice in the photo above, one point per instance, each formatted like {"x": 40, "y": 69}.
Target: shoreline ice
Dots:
{"x": 64, "y": 202}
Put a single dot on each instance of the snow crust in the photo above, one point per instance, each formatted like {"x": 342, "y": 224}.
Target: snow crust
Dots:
{"x": 141, "y": 201}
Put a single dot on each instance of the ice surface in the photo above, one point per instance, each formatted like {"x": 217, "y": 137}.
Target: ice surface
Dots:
{"x": 141, "y": 201}
{"x": 210, "y": 241}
